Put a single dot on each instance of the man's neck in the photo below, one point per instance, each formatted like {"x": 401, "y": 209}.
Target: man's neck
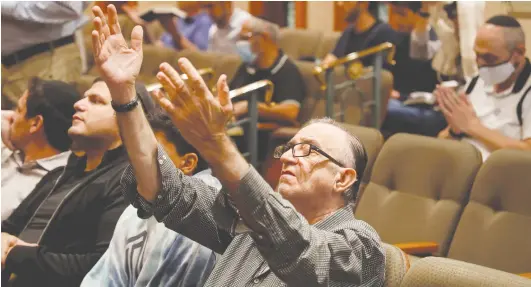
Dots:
{"x": 268, "y": 59}
{"x": 511, "y": 80}
{"x": 38, "y": 150}
{"x": 364, "y": 23}
{"x": 95, "y": 155}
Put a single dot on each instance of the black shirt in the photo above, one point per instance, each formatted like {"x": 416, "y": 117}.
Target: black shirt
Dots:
{"x": 411, "y": 75}
{"x": 285, "y": 76}
{"x": 351, "y": 41}
{"x": 80, "y": 230}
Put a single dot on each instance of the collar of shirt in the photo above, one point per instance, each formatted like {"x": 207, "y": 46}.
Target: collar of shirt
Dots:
{"x": 341, "y": 215}
{"x": 48, "y": 163}
{"x": 76, "y": 163}
{"x": 277, "y": 65}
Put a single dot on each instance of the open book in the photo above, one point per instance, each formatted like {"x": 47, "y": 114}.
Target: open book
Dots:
{"x": 152, "y": 13}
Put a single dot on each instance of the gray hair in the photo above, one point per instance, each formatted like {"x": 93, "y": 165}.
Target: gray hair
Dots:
{"x": 353, "y": 155}
{"x": 259, "y": 26}
{"x": 513, "y": 37}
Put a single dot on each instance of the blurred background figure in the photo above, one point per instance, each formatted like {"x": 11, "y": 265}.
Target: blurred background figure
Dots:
{"x": 190, "y": 32}
{"x": 38, "y": 39}
{"x": 228, "y": 21}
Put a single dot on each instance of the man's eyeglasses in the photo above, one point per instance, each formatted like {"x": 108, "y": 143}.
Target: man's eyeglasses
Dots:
{"x": 302, "y": 150}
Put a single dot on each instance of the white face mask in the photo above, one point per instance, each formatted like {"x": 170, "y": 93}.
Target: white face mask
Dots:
{"x": 496, "y": 74}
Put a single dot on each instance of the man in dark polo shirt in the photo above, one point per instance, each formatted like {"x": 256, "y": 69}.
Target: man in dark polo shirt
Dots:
{"x": 364, "y": 31}
{"x": 263, "y": 59}
{"x": 65, "y": 224}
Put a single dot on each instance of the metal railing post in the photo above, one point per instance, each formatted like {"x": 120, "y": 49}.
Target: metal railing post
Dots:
{"x": 329, "y": 93}
{"x": 253, "y": 128}
{"x": 377, "y": 88}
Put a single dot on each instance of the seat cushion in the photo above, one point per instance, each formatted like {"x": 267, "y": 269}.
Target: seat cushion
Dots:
{"x": 418, "y": 189}
{"x": 495, "y": 228}
{"x": 443, "y": 272}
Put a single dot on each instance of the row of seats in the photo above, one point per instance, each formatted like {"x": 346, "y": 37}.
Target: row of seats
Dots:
{"x": 443, "y": 272}
{"x": 296, "y": 43}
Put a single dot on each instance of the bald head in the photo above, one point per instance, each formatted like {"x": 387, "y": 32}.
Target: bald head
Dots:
{"x": 344, "y": 146}
{"x": 258, "y": 26}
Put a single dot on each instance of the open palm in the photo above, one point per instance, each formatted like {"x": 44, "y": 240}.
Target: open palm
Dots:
{"x": 117, "y": 62}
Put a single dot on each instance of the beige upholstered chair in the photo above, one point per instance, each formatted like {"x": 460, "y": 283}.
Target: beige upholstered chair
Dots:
{"x": 297, "y": 43}
{"x": 444, "y": 272}
{"x": 418, "y": 189}
{"x": 396, "y": 265}
{"x": 327, "y": 45}
{"x": 495, "y": 228}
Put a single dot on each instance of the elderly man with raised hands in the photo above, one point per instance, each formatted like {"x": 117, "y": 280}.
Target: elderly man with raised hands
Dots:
{"x": 303, "y": 235}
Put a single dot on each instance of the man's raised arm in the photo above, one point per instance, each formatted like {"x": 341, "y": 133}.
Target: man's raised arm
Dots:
{"x": 151, "y": 183}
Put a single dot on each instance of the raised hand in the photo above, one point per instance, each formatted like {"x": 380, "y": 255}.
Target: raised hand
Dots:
{"x": 118, "y": 63}
{"x": 199, "y": 116}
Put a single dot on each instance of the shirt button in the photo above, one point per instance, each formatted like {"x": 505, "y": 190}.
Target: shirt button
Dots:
{"x": 159, "y": 196}
{"x": 160, "y": 161}
{"x": 256, "y": 281}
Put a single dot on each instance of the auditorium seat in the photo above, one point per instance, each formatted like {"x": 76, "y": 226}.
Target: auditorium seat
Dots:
{"x": 302, "y": 43}
{"x": 495, "y": 228}
{"x": 396, "y": 265}
{"x": 444, "y": 272}
{"x": 418, "y": 189}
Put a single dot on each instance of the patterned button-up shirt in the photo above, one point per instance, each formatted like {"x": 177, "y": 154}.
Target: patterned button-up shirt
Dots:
{"x": 276, "y": 246}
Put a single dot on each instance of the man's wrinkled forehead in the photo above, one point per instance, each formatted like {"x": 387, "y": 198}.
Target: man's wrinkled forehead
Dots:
{"x": 320, "y": 134}
{"x": 100, "y": 90}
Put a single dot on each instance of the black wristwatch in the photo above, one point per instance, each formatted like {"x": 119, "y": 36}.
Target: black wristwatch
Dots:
{"x": 125, "y": 107}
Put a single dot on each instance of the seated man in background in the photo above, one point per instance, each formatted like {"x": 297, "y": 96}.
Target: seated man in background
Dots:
{"x": 364, "y": 31}
{"x": 228, "y": 21}
{"x": 263, "y": 59}
{"x": 495, "y": 112}
{"x": 65, "y": 224}
{"x": 158, "y": 256}
{"x": 188, "y": 33}
{"x": 35, "y": 138}
{"x": 304, "y": 235}
{"x": 413, "y": 73}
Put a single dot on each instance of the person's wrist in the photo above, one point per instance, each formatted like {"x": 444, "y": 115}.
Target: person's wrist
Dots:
{"x": 122, "y": 93}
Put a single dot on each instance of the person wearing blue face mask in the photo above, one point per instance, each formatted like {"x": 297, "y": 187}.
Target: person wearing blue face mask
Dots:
{"x": 495, "y": 110}
{"x": 263, "y": 59}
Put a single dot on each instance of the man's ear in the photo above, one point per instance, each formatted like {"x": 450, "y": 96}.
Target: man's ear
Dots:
{"x": 345, "y": 179}
{"x": 189, "y": 163}
{"x": 36, "y": 123}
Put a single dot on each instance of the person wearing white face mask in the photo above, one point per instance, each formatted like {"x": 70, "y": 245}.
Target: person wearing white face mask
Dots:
{"x": 263, "y": 59}
{"x": 495, "y": 110}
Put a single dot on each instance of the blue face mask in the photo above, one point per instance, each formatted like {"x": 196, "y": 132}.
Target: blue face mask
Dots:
{"x": 244, "y": 49}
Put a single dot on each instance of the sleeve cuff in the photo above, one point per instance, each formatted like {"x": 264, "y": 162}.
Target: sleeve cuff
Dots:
{"x": 170, "y": 178}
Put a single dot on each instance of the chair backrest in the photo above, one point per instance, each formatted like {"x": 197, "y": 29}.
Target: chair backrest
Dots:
{"x": 396, "y": 265}
{"x": 443, "y": 272}
{"x": 418, "y": 189}
{"x": 298, "y": 43}
{"x": 495, "y": 228}
{"x": 327, "y": 44}
{"x": 373, "y": 141}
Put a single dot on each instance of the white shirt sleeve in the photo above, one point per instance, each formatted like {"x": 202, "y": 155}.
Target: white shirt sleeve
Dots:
{"x": 56, "y": 12}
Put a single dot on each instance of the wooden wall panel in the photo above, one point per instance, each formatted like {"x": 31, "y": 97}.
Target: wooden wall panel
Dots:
{"x": 301, "y": 14}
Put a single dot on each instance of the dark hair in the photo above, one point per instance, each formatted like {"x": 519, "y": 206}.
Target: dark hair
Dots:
{"x": 160, "y": 121}
{"x": 504, "y": 21}
{"x": 146, "y": 101}
{"x": 54, "y": 101}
